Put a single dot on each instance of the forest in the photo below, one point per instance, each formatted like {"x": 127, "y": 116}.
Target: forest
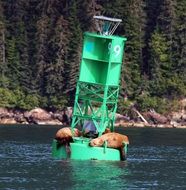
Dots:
{"x": 41, "y": 44}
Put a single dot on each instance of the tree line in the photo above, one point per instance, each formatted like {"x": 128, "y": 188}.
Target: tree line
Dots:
{"x": 41, "y": 43}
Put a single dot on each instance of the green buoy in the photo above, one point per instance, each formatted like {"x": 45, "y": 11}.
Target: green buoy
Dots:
{"x": 97, "y": 91}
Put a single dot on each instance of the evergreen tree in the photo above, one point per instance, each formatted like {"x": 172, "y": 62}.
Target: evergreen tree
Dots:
{"x": 3, "y": 67}
{"x": 166, "y": 21}
{"x": 13, "y": 64}
{"x": 15, "y": 41}
{"x": 85, "y": 17}
{"x": 74, "y": 53}
{"x": 29, "y": 49}
{"x": 42, "y": 52}
{"x": 22, "y": 46}
{"x": 160, "y": 60}
{"x": 61, "y": 54}
{"x": 152, "y": 12}
{"x": 134, "y": 20}
{"x": 55, "y": 80}
{"x": 178, "y": 81}
{"x": 179, "y": 46}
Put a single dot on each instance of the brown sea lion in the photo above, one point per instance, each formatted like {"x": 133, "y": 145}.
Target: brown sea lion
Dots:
{"x": 114, "y": 140}
{"x": 67, "y": 132}
{"x": 64, "y": 136}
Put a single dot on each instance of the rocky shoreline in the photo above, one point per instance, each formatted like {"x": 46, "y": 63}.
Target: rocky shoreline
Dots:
{"x": 36, "y": 116}
{"x": 42, "y": 117}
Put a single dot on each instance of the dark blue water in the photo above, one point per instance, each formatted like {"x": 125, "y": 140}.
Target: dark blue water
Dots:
{"x": 156, "y": 160}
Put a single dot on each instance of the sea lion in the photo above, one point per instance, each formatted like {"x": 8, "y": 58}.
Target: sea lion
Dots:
{"x": 64, "y": 136}
{"x": 67, "y": 132}
{"x": 114, "y": 140}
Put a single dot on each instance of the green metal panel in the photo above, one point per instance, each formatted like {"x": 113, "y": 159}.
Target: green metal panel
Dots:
{"x": 96, "y": 49}
{"x": 116, "y": 50}
{"x": 85, "y": 152}
{"x": 99, "y": 58}
{"x": 80, "y": 150}
{"x": 91, "y": 73}
{"x": 114, "y": 73}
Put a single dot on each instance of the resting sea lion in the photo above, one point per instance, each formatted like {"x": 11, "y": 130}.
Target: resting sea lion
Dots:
{"x": 114, "y": 140}
{"x": 64, "y": 136}
{"x": 67, "y": 132}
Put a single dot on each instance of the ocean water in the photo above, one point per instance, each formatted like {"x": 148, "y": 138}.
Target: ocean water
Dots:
{"x": 156, "y": 160}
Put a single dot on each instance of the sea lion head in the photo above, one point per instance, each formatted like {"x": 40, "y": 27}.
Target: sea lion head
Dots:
{"x": 96, "y": 142}
{"x": 77, "y": 133}
{"x": 107, "y": 130}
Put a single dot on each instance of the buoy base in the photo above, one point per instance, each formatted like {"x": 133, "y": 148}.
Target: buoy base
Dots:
{"x": 80, "y": 150}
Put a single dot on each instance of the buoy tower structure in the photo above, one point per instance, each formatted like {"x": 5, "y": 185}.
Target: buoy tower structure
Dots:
{"x": 97, "y": 90}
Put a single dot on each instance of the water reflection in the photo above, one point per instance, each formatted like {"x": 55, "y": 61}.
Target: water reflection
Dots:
{"x": 158, "y": 162}
{"x": 96, "y": 174}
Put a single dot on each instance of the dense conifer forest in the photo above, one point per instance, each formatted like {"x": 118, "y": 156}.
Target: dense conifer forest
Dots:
{"x": 41, "y": 42}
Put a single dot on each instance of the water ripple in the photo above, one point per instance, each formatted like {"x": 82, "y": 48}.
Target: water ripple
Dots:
{"x": 26, "y": 164}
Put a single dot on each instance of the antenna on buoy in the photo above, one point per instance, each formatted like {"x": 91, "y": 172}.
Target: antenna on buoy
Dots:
{"x": 106, "y": 25}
